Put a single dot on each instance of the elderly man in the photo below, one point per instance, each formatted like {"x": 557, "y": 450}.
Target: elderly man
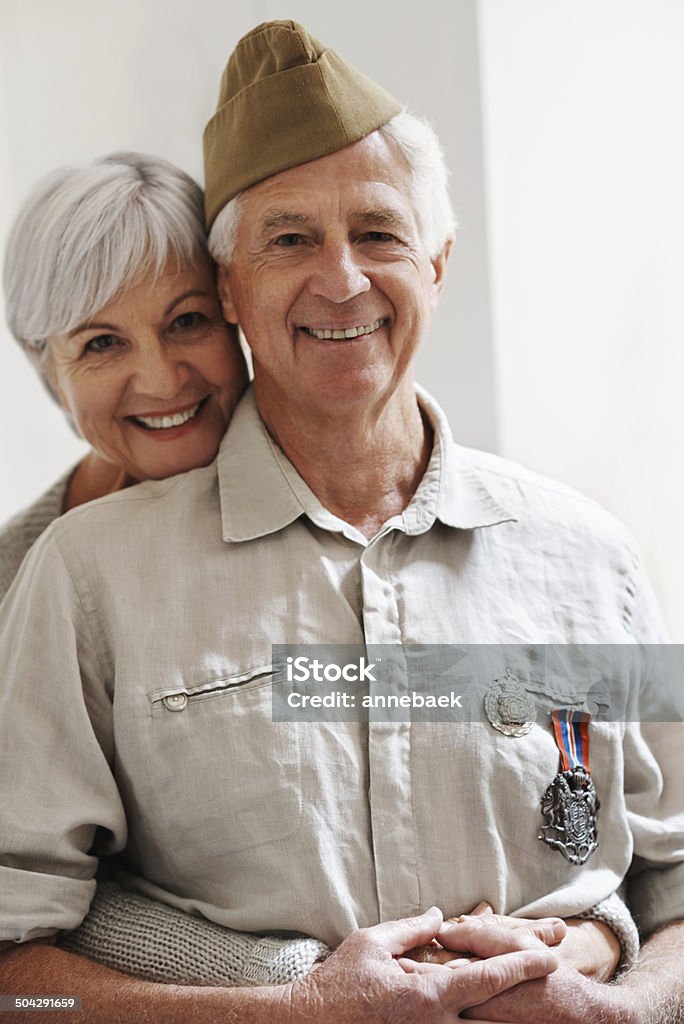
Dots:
{"x": 338, "y": 511}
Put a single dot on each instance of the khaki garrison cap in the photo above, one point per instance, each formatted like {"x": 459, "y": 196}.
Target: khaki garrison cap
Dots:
{"x": 284, "y": 100}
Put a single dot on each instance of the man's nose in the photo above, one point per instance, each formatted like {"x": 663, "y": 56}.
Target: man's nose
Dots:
{"x": 338, "y": 275}
{"x": 159, "y": 372}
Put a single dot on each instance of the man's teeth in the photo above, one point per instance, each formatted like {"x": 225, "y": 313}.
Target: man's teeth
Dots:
{"x": 349, "y": 332}
{"x": 164, "y": 422}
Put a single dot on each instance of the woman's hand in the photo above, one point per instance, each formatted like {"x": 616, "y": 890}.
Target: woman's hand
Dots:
{"x": 443, "y": 952}
{"x": 589, "y": 947}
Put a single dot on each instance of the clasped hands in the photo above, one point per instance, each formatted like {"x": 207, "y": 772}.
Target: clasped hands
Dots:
{"x": 414, "y": 970}
{"x": 586, "y": 947}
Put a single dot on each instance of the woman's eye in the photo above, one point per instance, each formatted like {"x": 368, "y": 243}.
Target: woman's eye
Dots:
{"x": 189, "y": 321}
{"x": 102, "y": 343}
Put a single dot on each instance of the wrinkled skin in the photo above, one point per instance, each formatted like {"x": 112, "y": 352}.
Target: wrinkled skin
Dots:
{"x": 363, "y": 980}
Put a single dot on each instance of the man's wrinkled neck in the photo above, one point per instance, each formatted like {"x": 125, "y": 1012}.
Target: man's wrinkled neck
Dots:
{"x": 363, "y": 462}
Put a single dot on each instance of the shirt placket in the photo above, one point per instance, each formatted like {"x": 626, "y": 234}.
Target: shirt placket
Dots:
{"x": 390, "y": 793}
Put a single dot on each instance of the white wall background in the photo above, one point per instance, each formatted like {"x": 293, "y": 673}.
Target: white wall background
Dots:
{"x": 584, "y": 142}
{"x": 558, "y": 339}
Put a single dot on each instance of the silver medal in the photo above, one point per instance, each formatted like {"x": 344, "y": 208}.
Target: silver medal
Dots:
{"x": 569, "y": 807}
{"x": 509, "y": 707}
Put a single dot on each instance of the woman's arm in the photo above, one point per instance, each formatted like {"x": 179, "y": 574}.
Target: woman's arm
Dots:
{"x": 150, "y": 940}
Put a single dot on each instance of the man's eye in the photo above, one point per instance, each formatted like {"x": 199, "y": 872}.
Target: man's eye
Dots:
{"x": 379, "y": 236}
{"x": 102, "y": 343}
{"x": 189, "y": 321}
{"x": 289, "y": 240}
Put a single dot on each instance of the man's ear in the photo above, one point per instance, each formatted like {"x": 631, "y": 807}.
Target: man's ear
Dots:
{"x": 439, "y": 265}
{"x": 226, "y": 294}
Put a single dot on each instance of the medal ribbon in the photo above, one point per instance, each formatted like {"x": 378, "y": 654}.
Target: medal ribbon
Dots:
{"x": 571, "y": 731}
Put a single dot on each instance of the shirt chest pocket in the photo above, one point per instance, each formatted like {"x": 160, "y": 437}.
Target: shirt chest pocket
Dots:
{"x": 213, "y": 774}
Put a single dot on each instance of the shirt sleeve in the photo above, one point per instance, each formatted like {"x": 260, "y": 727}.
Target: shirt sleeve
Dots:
{"x": 654, "y": 768}
{"x": 56, "y": 785}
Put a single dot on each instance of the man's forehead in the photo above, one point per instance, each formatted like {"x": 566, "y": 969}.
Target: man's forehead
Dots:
{"x": 304, "y": 211}
{"x": 364, "y": 182}
{"x": 374, "y": 163}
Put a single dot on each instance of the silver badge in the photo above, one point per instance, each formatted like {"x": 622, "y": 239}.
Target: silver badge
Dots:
{"x": 509, "y": 707}
{"x": 569, "y": 806}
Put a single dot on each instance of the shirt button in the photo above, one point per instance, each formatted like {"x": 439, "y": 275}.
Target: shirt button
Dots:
{"x": 176, "y": 702}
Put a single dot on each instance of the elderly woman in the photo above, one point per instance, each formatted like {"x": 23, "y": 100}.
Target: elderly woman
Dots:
{"x": 110, "y": 292}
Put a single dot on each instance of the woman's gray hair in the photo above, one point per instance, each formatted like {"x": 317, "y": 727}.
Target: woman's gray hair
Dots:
{"x": 417, "y": 140}
{"x": 84, "y": 233}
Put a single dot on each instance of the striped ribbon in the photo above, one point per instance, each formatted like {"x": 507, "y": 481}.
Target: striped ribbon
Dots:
{"x": 571, "y": 730}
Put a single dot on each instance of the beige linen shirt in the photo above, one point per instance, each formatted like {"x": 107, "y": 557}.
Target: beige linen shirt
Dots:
{"x": 135, "y": 707}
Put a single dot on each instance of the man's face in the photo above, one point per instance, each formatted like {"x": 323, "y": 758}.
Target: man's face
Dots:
{"x": 331, "y": 282}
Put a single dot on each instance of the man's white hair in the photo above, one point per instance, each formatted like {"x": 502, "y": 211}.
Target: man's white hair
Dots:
{"x": 420, "y": 147}
{"x": 85, "y": 233}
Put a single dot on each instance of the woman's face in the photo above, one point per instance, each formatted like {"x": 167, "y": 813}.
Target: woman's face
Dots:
{"x": 151, "y": 380}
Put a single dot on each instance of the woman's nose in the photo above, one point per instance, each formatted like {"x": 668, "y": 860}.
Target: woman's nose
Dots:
{"x": 160, "y": 373}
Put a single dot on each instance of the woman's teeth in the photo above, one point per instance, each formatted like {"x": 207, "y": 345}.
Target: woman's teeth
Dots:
{"x": 164, "y": 422}
{"x": 350, "y": 332}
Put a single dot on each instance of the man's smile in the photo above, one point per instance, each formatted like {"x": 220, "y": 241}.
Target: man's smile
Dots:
{"x": 339, "y": 334}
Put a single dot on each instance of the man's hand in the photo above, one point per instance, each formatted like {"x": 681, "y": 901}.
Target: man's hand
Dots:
{"x": 363, "y": 980}
{"x": 651, "y": 993}
{"x": 568, "y": 998}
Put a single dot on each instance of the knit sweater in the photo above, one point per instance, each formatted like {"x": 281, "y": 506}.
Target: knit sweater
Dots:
{"x": 23, "y": 529}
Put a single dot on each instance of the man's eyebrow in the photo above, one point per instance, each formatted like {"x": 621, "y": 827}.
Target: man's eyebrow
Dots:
{"x": 375, "y": 216}
{"x": 283, "y": 219}
{"x": 381, "y": 216}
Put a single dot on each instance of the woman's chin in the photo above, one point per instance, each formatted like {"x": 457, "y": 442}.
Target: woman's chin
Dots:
{"x": 156, "y": 454}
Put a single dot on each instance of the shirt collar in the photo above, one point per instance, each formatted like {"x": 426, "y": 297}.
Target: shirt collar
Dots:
{"x": 255, "y": 495}
{"x": 261, "y": 492}
{"x": 452, "y": 489}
